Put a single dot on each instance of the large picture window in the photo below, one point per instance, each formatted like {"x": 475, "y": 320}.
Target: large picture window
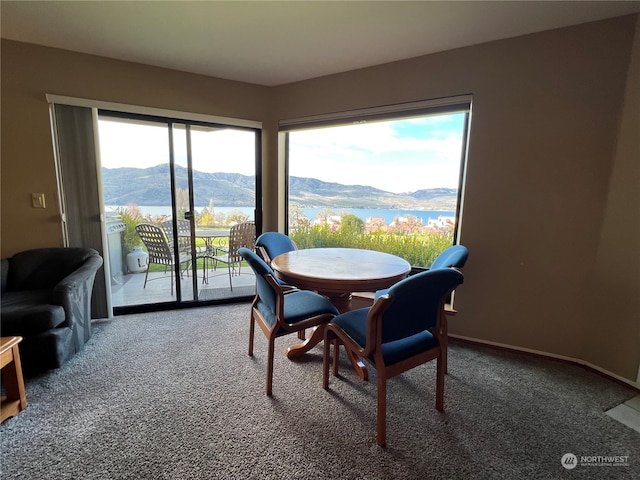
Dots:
{"x": 384, "y": 180}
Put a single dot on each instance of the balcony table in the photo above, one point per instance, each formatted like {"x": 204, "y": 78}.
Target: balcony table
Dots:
{"x": 209, "y": 236}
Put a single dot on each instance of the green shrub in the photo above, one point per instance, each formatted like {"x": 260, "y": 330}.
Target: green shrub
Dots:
{"x": 130, "y": 217}
{"x": 420, "y": 250}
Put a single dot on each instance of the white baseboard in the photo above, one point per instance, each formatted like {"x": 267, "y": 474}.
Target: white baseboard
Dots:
{"x": 578, "y": 361}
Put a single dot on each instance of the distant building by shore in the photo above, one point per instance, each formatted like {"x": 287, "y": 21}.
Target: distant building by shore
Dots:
{"x": 406, "y": 224}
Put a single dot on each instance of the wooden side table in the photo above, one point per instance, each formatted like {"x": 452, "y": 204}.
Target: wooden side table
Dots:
{"x": 16, "y": 399}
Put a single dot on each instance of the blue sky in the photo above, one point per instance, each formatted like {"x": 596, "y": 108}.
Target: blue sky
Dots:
{"x": 139, "y": 145}
{"x": 396, "y": 156}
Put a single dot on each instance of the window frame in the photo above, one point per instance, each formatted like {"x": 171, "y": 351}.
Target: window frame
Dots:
{"x": 457, "y": 104}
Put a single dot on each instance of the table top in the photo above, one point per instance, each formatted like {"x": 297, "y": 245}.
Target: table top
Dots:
{"x": 7, "y": 343}
{"x": 207, "y": 233}
{"x": 340, "y": 270}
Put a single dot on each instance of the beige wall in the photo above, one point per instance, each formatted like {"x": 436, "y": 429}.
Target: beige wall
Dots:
{"x": 548, "y": 182}
{"x": 29, "y": 72}
{"x": 612, "y": 290}
{"x": 545, "y": 122}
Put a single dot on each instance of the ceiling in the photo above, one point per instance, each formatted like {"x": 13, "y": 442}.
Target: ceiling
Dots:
{"x": 273, "y": 42}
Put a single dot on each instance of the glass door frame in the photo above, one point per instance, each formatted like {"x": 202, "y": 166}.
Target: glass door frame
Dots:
{"x": 171, "y": 123}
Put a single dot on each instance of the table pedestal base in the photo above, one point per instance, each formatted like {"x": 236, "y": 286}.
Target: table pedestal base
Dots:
{"x": 358, "y": 365}
{"x": 342, "y": 301}
{"x": 316, "y": 336}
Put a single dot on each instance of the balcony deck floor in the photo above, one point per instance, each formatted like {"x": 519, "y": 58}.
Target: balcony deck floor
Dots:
{"x": 129, "y": 289}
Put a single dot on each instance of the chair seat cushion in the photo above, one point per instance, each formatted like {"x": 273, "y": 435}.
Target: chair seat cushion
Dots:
{"x": 25, "y": 297}
{"x": 298, "y": 306}
{"x": 354, "y": 323}
{"x": 393, "y": 352}
{"x": 303, "y": 304}
{"x": 29, "y": 320}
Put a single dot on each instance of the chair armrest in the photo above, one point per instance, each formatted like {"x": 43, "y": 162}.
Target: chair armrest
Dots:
{"x": 74, "y": 291}
{"x": 87, "y": 271}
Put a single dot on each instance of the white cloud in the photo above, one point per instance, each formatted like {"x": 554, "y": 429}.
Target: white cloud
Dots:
{"x": 411, "y": 158}
{"x": 396, "y": 156}
{"x": 137, "y": 145}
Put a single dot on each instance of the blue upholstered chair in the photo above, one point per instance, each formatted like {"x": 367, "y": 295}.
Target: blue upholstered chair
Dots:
{"x": 271, "y": 244}
{"x": 452, "y": 257}
{"x": 403, "y": 329}
{"x": 278, "y": 313}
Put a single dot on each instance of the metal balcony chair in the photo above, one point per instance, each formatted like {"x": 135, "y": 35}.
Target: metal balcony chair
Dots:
{"x": 240, "y": 235}
{"x": 160, "y": 253}
{"x": 184, "y": 244}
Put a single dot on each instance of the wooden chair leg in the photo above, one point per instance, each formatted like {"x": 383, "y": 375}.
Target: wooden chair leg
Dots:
{"x": 382, "y": 409}
{"x": 301, "y": 335}
{"x": 440, "y": 370}
{"x": 325, "y": 363}
{"x": 336, "y": 356}
{"x": 252, "y": 325}
{"x": 444, "y": 343}
{"x": 271, "y": 349}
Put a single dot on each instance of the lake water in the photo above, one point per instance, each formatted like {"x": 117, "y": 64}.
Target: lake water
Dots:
{"x": 363, "y": 213}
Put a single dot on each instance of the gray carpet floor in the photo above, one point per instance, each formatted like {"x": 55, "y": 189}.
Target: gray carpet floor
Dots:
{"x": 222, "y": 293}
{"x": 173, "y": 395}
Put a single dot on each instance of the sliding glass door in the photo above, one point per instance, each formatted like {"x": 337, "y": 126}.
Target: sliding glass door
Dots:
{"x": 171, "y": 190}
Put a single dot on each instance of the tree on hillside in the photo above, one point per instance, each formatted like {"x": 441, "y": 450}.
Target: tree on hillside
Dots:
{"x": 297, "y": 218}
{"x": 351, "y": 223}
{"x": 325, "y": 213}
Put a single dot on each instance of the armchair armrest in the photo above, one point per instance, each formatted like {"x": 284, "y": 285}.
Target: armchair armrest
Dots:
{"x": 80, "y": 276}
{"x": 73, "y": 292}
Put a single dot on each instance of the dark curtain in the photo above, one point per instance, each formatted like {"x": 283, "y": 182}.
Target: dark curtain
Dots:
{"x": 77, "y": 169}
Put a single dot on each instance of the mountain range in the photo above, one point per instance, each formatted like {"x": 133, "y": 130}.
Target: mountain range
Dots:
{"x": 152, "y": 186}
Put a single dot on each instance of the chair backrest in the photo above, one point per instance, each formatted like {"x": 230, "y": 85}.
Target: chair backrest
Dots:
{"x": 241, "y": 235}
{"x": 452, "y": 257}
{"x": 155, "y": 242}
{"x": 415, "y": 303}
{"x": 265, "y": 290}
{"x": 184, "y": 234}
{"x": 273, "y": 244}
{"x": 43, "y": 268}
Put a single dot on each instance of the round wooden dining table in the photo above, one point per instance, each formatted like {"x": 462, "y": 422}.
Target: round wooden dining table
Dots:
{"x": 336, "y": 273}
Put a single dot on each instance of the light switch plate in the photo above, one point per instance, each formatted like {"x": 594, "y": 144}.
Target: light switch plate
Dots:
{"x": 37, "y": 200}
